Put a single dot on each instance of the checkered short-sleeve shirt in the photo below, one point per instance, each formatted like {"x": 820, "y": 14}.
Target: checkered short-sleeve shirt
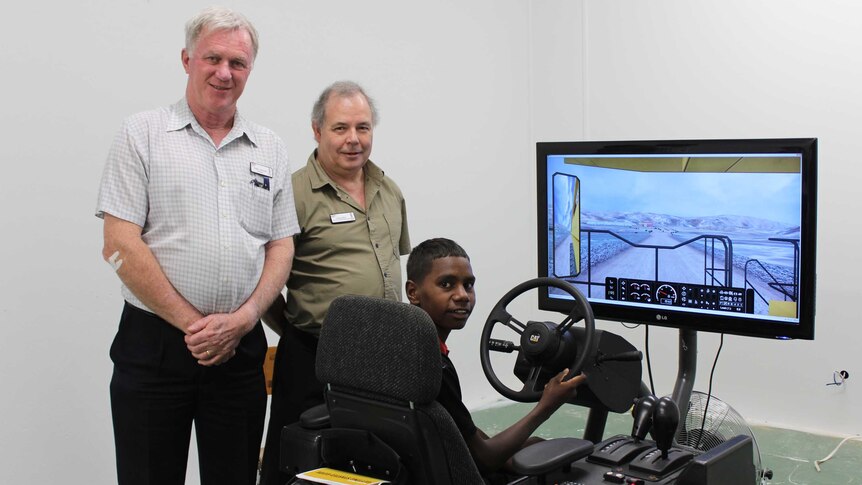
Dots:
{"x": 206, "y": 212}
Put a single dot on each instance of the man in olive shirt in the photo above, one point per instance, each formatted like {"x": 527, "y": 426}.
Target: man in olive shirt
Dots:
{"x": 353, "y": 224}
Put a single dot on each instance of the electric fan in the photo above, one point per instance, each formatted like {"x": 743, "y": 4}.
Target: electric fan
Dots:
{"x": 721, "y": 423}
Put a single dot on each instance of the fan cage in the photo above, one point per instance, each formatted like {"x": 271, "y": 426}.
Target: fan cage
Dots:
{"x": 722, "y": 423}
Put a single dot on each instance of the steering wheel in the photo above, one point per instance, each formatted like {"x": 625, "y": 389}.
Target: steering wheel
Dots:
{"x": 545, "y": 347}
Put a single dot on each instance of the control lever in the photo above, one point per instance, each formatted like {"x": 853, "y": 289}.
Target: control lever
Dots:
{"x": 643, "y": 417}
{"x": 663, "y": 459}
{"x": 502, "y": 346}
{"x": 631, "y": 356}
{"x": 665, "y": 420}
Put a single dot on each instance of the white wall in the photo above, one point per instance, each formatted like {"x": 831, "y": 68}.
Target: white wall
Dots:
{"x": 450, "y": 79}
{"x": 697, "y": 69}
{"x": 464, "y": 88}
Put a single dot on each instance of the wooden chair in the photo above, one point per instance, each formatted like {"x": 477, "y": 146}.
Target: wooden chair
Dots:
{"x": 268, "y": 365}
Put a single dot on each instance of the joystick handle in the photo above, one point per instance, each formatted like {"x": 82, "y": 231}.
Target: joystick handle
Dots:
{"x": 642, "y": 414}
{"x": 665, "y": 421}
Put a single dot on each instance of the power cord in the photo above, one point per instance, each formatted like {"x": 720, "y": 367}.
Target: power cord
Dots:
{"x": 830, "y": 455}
{"x": 648, "y": 362}
{"x": 838, "y": 378}
{"x": 709, "y": 392}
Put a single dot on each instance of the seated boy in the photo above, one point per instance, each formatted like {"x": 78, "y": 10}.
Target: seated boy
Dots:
{"x": 440, "y": 281}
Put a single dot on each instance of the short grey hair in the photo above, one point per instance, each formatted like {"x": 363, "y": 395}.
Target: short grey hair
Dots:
{"x": 343, "y": 89}
{"x": 218, "y": 18}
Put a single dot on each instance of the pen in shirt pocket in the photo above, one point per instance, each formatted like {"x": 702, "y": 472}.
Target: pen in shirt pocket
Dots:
{"x": 262, "y": 170}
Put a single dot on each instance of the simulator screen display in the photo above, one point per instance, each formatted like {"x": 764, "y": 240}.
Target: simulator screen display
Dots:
{"x": 715, "y": 234}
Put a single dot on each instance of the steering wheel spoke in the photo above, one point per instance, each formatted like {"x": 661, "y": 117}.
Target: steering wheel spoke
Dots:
{"x": 499, "y": 314}
{"x": 577, "y": 314}
{"x": 565, "y": 325}
{"x": 515, "y": 325}
{"x": 532, "y": 380}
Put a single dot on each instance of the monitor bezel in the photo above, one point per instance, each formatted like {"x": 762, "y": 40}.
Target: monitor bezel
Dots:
{"x": 806, "y": 147}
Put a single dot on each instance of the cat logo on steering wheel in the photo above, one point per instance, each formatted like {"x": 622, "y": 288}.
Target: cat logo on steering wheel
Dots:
{"x": 535, "y": 338}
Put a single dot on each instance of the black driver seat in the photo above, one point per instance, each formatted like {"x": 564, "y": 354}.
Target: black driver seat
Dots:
{"x": 380, "y": 361}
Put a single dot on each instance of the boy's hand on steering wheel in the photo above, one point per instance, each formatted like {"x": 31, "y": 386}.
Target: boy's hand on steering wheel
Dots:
{"x": 560, "y": 390}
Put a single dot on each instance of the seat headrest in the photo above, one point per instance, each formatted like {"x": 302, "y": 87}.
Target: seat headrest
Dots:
{"x": 381, "y": 347}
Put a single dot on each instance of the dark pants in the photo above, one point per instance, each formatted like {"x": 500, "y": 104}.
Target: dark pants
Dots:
{"x": 158, "y": 389}
{"x": 295, "y": 388}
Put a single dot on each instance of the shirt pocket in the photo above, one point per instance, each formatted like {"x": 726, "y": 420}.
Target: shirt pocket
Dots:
{"x": 256, "y": 211}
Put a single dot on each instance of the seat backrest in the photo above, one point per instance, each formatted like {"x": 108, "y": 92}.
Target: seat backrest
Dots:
{"x": 381, "y": 363}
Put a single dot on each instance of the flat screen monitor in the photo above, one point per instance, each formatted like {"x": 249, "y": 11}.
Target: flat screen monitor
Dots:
{"x": 709, "y": 235}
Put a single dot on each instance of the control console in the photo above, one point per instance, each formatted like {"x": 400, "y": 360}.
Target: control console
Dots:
{"x": 621, "y": 460}
{"x": 689, "y": 295}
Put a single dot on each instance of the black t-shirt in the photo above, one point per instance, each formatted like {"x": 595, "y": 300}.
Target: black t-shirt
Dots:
{"x": 451, "y": 400}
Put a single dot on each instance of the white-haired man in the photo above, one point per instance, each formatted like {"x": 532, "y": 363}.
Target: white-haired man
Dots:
{"x": 198, "y": 222}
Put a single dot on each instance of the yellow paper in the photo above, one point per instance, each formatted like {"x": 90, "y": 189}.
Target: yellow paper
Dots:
{"x": 337, "y": 477}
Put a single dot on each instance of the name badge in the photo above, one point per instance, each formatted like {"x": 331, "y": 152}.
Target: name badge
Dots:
{"x": 259, "y": 169}
{"x": 342, "y": 217}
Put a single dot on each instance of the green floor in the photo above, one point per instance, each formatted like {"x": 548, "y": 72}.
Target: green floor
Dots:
{"x": 789, "y": 454}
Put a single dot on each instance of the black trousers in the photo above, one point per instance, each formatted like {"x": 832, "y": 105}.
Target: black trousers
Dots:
{"x": 158, "y": 390}
{"x": 295, "y": 388}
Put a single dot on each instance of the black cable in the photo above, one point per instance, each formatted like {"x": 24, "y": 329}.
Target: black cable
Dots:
{"x": 709, "y": 391}
{"x": 648, "y": 362}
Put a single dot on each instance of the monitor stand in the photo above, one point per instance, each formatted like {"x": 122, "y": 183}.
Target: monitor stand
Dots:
{"x": 685, "y": 373}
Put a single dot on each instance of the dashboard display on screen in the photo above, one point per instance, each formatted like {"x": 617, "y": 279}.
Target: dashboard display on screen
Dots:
{"x": 713, "y": 235}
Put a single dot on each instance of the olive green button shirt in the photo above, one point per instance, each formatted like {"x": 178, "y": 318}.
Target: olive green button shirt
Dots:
{"x": 342, "y": 248}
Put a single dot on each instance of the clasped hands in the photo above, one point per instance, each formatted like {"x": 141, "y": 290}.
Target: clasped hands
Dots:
{"x": 213, "y": 339}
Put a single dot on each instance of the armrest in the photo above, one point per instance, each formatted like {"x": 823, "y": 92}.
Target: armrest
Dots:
{"x": 549, "y": 455}
{"x": 315, "y": 418}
